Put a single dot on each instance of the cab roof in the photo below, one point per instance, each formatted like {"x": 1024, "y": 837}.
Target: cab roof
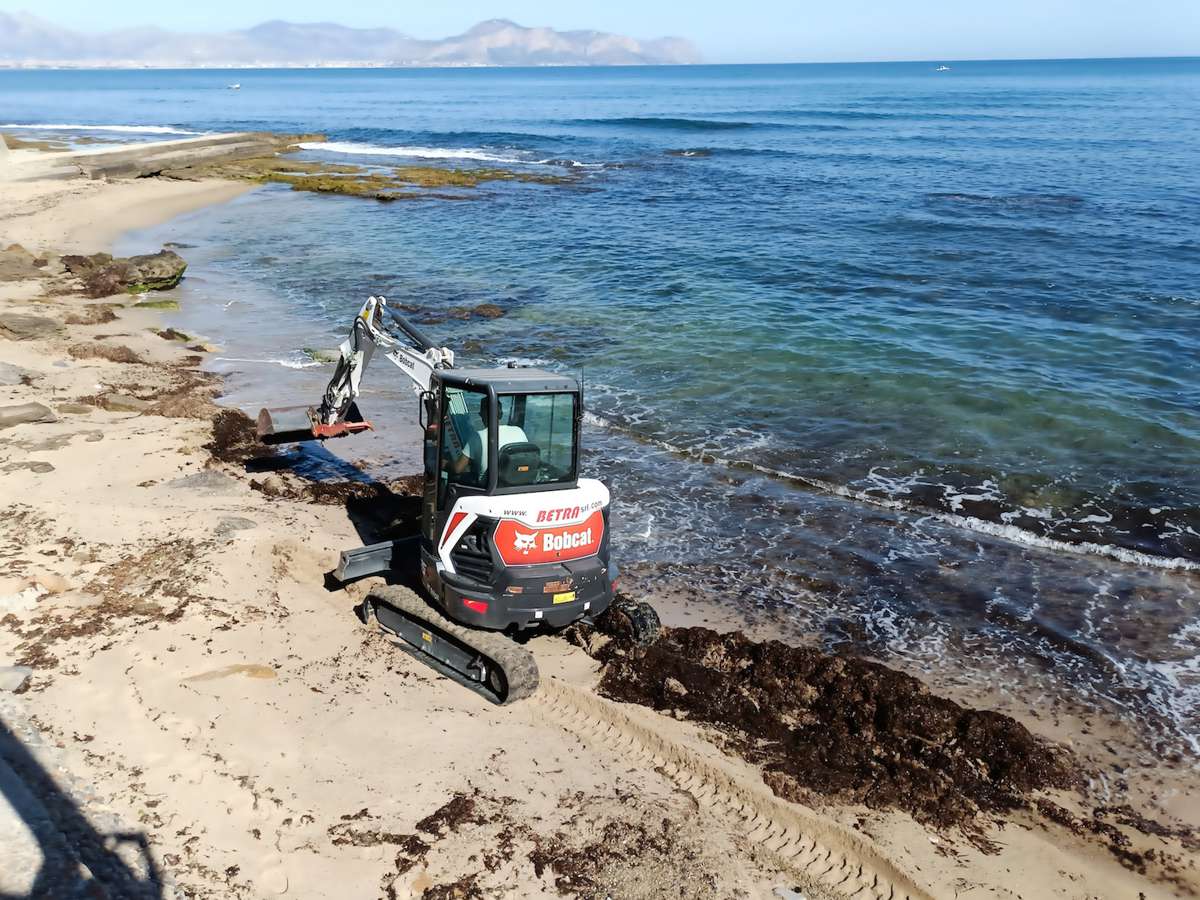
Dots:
{"x": 511, "y": 381}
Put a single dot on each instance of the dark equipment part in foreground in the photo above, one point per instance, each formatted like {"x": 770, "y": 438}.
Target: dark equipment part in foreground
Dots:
{"x": 511, "y": 538}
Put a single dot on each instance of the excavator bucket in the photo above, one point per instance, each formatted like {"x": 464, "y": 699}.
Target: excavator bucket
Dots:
{"x": 294, "y": 424}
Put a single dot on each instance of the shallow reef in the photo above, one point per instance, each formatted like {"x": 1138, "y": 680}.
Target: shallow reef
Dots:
{"x": 398, "y": 183}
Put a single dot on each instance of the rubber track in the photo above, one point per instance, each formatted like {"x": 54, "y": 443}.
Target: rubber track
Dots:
{"x": 822, "y": 850}
{"x": 518, "y": 665}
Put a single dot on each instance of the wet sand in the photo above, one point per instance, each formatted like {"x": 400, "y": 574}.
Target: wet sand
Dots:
{"x": 197, "y": 688}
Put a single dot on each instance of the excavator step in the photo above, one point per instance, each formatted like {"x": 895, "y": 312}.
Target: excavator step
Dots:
{"x": 486, "y": 662}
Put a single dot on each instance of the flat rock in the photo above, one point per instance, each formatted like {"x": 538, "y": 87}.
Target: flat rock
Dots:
{"x": 123, "y": 403}
{"x": 75, "y": 409}
{"x": 230, "y": 524}
{"x": 38, "y": 467}
{"x": 14, "y": 678}
{"x": 208, "y": 482}
{"x": 13, "y": 375}
{"x": 25, "y": 412}
{"x": 22, "y": 327}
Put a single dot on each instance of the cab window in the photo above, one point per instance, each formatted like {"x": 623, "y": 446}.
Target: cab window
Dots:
{"x": 536, "y": 439}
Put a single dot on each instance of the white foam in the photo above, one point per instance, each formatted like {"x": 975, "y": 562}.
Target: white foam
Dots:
{"x": 1001, "y": 530}
{"x": 126, "y": 129}
{"x": 408, "y": 152}
{"x": 477, "y": 154}
{"x": 286, "y": 363}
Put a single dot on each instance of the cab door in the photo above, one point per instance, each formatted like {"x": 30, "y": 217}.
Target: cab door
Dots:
{"x": 456, "y": 473}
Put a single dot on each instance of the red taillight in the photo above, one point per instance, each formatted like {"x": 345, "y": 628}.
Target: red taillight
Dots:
{"x": 479, "y": 606}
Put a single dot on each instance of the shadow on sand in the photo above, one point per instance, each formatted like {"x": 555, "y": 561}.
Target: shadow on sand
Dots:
{"x": 117, "y": 865}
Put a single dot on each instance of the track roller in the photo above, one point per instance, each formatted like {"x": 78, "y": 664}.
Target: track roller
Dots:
{"x": 487, "y": 662}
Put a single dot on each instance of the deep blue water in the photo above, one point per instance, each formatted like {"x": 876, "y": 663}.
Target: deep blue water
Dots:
{"x": 885, "y": 338}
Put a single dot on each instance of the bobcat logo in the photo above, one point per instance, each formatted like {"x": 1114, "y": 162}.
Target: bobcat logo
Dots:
{"x": 523, "y": 542}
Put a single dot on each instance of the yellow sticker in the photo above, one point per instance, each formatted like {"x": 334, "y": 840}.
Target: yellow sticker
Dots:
{"x": 426, "y": 636}
{"x": 564, "y": 598}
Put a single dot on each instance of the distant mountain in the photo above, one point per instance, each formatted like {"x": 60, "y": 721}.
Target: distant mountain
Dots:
{"x": 26, "y": 40}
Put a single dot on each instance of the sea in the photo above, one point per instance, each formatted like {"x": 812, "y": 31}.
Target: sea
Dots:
{"x": 908, "y": 355}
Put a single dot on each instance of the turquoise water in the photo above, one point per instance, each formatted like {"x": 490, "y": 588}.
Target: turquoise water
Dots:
{"x": 916, "y": 350}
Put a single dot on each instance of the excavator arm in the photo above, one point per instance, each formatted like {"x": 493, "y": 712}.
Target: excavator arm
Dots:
{"x": 405, "y": 345}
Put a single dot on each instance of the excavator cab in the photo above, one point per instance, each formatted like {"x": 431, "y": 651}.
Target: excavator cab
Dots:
{"x": 511, "y": 536}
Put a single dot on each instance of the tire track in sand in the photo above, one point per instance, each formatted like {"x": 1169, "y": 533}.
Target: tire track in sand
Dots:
{"x": 821, "y": 850}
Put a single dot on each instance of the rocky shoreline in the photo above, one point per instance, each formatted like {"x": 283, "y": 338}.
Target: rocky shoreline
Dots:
{"x": 161, "y": 579}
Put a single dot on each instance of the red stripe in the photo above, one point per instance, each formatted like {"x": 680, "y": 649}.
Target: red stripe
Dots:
{"x": 455, "y": 521}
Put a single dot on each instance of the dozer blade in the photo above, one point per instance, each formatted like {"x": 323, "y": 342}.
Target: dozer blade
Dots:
{"x": 486, "y": 662}
{"x": 293, "y": 424}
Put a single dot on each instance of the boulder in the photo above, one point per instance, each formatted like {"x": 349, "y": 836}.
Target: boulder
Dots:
{"x": 159, "y": 271}
{"x": 22, "y": 327}
{"x": 25, "y": 412}
{"x": 103, "y": 276}
{"x": 17, "y": 264}
{"x": 106, "y": 280}
{"x": 14, "y": 678}
{"x": 81, "y": 265}
{"x": 11, "y": 375}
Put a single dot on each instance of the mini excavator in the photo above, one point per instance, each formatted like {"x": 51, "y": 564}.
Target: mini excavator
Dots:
{"x": 511, "y": 539}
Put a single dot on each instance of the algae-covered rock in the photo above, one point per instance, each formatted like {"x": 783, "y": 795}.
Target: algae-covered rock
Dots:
{"x": 157, "y": 304}
{"x": 104, "y": 276}
{"x": 159, "y": 271}
{"x": 435, "y": 176}
{"x": 360, "y": 181}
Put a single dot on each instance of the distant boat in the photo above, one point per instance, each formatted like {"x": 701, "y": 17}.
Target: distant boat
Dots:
{"x": 942, "y": 69}
{"x": 234, "y": 87}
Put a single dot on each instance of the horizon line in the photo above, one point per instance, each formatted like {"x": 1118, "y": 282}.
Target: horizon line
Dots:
{"x": 7, "y": 65}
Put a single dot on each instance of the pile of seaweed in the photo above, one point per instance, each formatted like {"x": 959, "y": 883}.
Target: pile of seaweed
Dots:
{"x": 838, "y": 728}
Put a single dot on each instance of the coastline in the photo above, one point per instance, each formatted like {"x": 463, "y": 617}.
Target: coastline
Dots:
{"x": 90, "y": 216}
{"x": 173, "y": 682}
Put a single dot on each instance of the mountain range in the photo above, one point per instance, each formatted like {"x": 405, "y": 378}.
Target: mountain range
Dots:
{"x": 26, "y": 40}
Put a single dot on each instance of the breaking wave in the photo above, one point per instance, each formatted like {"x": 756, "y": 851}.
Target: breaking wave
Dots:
{"x": 1003, "y": 530}
{"x": 474, "y": 154}
{"x": 306, "y": 363}
{"x": 125, "y": 129}
{"x": 357, "y": 149}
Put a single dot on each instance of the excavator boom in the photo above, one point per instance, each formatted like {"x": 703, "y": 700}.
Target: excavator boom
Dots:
{"x": 405, "y": 345}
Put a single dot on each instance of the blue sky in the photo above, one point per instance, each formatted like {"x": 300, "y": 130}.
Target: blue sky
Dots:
{"x": 744, "y": 31}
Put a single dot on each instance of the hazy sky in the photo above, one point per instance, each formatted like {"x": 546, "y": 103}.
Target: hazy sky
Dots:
{"x": 743, "y": 31}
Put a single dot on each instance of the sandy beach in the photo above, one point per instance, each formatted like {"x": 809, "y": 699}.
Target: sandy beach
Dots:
{"x": 205, "y": 718}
